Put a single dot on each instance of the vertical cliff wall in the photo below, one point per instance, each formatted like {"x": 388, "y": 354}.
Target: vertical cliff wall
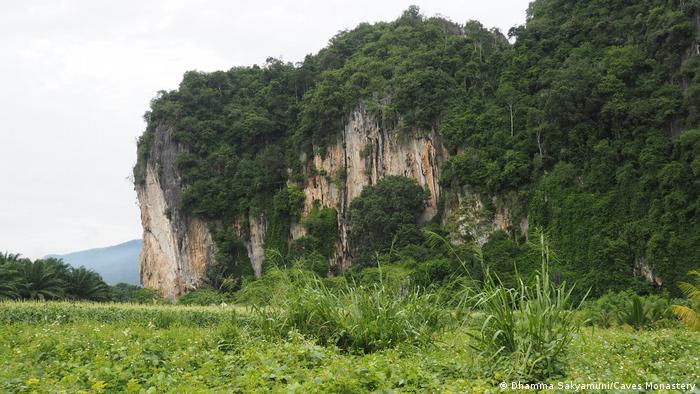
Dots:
{"x": 364, "y": 153}
{"x": 178, "y": 248}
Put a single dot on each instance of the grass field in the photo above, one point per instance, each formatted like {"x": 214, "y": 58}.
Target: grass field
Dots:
{"x": 87, "y": 347}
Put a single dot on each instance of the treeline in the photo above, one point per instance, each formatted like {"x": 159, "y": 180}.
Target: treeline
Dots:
{"x": 53, "y": 279}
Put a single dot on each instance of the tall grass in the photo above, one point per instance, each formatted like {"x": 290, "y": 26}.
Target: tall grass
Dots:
{"x": 355, "y": 318}
{"x": 526, "y": 329}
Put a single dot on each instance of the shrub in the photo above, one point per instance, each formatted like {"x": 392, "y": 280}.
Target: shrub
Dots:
{"x": 202, "y": 297}
{"x": 635, "y": 315}
{"x": 228, "y": 334}
{"x": 606, "y": 311}
{"x": 529, "y": 326}
{"x": 146, "y": 296}
{"x": 275, "y": 285}
{"x": 122, "y": 292}
{"x": 388, "y": 275}
{"x": 626, "y": 307}
{"x": 360, "y": 318}
{"x": 381, "y": 212}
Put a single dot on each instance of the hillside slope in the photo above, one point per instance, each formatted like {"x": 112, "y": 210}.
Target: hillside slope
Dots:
{"x": 118, "y": 263}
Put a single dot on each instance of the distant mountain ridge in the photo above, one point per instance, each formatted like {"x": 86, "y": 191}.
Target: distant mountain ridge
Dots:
{"x": 118, "y": 263}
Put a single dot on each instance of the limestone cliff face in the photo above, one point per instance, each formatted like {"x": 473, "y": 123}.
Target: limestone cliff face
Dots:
{"x": 176, "y": 249}
{"x": 466, "y": 217}
{"x": 255, "y": 242}
{"x": 363, "y": 154}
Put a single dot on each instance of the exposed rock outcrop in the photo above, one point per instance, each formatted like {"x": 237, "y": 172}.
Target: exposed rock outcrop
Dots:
{"x": 642, "y": 268}
{"x": 176, "y": 248}
{"x": 255, "y": 242}
{"x": 364, "y": 153}
{"x": 466, "y": 217}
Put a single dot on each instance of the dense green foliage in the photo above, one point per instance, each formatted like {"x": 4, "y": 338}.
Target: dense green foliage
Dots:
{"x": 52, "y": 279}
{"x": 203, "y": 297}
{"x": 586, "y": 125}
{"x": 528, "y": 327}
{"x": 318, "y": 245}
{"x": 49, "y": 278}
{"x": 628, "y": 308}
{"x": 385, "y": 213}
{"x": 364, "y": 319}
{"x": 298, "y": 331}
{"x": 160, "y": 316}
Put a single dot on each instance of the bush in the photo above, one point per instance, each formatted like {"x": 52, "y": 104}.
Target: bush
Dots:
{"x": 229, "y": 334}
{"x": 634, "y": 314}
{"x": 527, "y": 329}
{"x": 626, "y": 307}
{"x": 606, "y": 311}
{"x": 202, "y": 297}
{"x": 146, "y": 296}
{"x": 360, "y": 318}
{"x": 275, "y": 285}
{"x": 123, "y": 292}
{"x": 392, "y": 276}
{"x": 385, "y": 214}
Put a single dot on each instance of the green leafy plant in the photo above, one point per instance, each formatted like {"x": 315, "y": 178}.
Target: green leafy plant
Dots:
{"x": 229, "y": 334}
{"x": 527, "y": 328}
{"x": 202, "y": 297}
{"x": 385, "y": 216}
{"x": 686, "y": 314}
{"x": 359, "y": 318}
{"x": 635, "y": 315}
{"x": 85, "y": 284}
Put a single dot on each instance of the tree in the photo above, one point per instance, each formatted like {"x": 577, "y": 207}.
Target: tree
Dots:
{"x": 8, "y": 278}
{"x": 508, "y": 95}
{"x": 84, "y": 284}
{"x": 389, "y": 209}
{"x": 122, "y": 292}
{"x": 38, "y": 280}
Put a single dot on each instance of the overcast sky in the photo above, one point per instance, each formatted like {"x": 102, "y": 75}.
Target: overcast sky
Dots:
{"x": 77, "y": 76}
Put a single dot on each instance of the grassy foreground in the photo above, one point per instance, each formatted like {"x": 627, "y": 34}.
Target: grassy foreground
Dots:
{"x": 63, "y": 347}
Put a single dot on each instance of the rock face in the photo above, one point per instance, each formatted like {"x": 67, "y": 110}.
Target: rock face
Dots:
{"x": 177, "y": 249}
{"x": 466, "y": 217}
{"x": 363, "y": 154}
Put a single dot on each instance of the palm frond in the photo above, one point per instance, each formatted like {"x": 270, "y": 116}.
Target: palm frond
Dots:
{"x": 688, "y": 316}
{"x": 690, "y": 291}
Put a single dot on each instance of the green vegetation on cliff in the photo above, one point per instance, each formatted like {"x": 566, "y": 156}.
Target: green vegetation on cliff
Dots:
{"x": 586, "y": 125}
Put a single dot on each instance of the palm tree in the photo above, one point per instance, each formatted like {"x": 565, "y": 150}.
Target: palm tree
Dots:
{"x": 60, "y": 268}
{"x": 39, "y": 280}
{"x": 687, "y": 315}
{"x": 7, "y": 257}
{"x": 87, "y": 285}
{"x": 8, "y": 280}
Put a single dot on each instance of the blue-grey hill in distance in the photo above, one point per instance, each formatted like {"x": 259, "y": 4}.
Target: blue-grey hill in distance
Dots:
{"x": 118, "y": 263}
